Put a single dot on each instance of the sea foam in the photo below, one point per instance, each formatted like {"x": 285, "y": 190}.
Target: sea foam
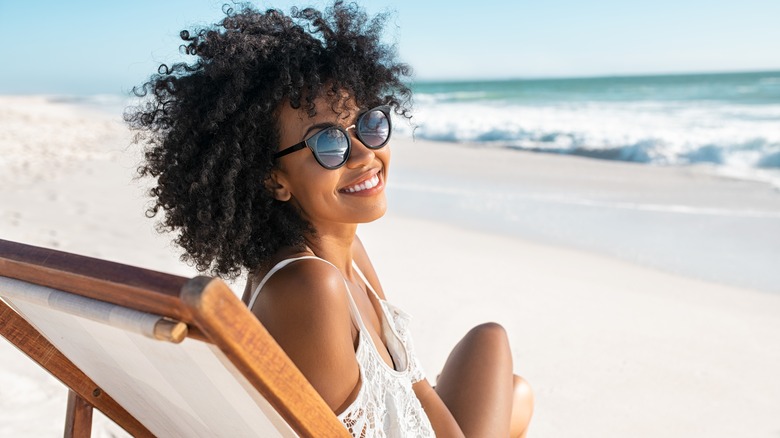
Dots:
{"x": 732, "y": 127}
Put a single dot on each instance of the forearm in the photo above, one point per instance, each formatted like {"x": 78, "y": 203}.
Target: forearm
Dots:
{"x": 441, "y": 419}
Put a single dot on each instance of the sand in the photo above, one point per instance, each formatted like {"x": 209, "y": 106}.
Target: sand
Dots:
{"x": 614, "y": 343}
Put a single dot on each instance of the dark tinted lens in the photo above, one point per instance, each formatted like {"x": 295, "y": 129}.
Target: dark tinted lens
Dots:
{"x": 374, "y": 128}
{"x": 331, "y": 147}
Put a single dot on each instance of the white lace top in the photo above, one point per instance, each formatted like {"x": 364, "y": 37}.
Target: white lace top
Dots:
{"x": 386, "y": 405}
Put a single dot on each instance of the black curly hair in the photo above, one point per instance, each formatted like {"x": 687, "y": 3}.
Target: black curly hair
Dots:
{"x": 211, "y": 125}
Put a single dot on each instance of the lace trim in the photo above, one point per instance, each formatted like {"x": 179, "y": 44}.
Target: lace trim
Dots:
{"x": 401, "y": 320}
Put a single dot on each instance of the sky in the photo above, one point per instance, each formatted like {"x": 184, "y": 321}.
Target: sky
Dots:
{"x": 90, "y": 47}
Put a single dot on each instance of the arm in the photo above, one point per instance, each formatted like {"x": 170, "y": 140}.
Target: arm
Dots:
{"x": 305, "y": 308}
{"x": 443, "y": 422}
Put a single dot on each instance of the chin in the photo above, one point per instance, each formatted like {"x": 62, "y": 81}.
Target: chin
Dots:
{"x": 373, "y": 214}
{"x": 372, "y": 219}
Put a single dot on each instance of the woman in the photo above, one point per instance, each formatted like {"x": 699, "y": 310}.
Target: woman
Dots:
{"x": 268, "y": 151}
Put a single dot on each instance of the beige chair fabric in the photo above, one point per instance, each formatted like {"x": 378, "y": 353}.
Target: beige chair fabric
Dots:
{"x": 177, "y": 390}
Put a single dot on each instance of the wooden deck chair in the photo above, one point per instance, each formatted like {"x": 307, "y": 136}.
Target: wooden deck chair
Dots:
{"x": 159, "y": 354}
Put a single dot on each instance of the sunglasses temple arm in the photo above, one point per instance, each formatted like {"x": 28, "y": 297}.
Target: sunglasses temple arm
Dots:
{"x": 290, "y": 150}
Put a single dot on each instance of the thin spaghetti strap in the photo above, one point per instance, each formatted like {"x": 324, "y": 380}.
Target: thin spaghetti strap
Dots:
{"x": 363, "y": 277}
{"x": 273, "y": 271}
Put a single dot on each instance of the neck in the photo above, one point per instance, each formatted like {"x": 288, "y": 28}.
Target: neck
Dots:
{"x": 334, "y": 244}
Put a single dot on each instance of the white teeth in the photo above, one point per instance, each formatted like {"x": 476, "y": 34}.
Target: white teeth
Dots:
{"x": 365, "y": 185}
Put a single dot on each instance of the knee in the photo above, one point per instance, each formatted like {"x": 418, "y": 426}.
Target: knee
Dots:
{"x": 489, "y": 332}
{"x": 522, "y": 407}
{"x": 523, "y": 394}
{"x": 488, "y": 340}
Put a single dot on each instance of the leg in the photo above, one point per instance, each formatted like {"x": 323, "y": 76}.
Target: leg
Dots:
{"x": 476, "y": 382}
{"x": 522, "y": 407}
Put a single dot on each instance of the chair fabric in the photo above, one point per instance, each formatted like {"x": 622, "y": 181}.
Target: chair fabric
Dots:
{"x": 175, "y": 390}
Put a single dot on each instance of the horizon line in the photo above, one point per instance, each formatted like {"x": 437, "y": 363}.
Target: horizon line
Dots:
{"x": 594, "y": 76}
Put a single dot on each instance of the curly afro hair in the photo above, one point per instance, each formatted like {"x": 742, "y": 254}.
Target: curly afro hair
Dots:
{"x": 211, "y": 125}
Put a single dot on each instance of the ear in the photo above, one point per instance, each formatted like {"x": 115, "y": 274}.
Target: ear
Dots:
{"x": 278, "y": 187}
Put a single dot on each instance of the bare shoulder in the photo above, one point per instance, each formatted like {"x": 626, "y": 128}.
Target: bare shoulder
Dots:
{"x": 305, "y": 308}
{"x": 360, "y": 255}
{"x": 305, "y": 280}
{"x": 304, "y": 294}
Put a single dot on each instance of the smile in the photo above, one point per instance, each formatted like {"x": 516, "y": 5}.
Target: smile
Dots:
{"x": 365, "y": 185}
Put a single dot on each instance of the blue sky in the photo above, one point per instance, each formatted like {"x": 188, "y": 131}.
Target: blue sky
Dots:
{"x": 75, "y": 47}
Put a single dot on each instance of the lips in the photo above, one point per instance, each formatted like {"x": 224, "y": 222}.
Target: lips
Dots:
{"x": 366, "y": 183}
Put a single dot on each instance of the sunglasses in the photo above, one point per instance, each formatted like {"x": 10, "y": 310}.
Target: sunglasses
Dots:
{"x": 331, "y": 146}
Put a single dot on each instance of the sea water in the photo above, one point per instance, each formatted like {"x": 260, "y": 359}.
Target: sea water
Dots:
{"x": 730, "y": 122}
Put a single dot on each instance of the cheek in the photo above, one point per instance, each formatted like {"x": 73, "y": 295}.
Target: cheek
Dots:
{"x": 383, "y": 155}
{"x": 315, "y": 186}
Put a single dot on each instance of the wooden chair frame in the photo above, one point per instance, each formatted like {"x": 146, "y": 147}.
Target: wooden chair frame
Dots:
{"x": 210, "y": 309}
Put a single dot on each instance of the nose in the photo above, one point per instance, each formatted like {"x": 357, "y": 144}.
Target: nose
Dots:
{"x": 360, "y": 155}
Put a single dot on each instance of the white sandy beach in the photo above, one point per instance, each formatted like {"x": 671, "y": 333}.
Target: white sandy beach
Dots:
{"x": 640, "y": 301}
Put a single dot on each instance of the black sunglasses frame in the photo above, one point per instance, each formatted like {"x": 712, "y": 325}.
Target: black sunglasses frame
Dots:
{"x": 385, "y": 109}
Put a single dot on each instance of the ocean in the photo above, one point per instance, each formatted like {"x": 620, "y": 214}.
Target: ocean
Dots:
{"x": 728, "y": 122}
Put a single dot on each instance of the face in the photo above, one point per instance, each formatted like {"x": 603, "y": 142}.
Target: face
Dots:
{"x": 330, "y": 197}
